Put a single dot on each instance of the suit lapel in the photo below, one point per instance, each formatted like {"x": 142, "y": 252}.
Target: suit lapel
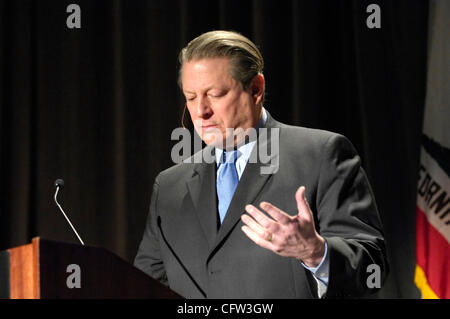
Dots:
{"x": 202, "y": 190}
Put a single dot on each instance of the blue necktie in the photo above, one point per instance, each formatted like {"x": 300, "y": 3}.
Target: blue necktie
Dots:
{"x": 227, "y": 180}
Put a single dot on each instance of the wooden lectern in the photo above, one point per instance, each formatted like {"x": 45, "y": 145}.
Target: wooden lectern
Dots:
{"x": 50, "y": 269}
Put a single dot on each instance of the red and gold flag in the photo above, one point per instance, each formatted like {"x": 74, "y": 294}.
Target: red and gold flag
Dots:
{"x": 433, "y": 193}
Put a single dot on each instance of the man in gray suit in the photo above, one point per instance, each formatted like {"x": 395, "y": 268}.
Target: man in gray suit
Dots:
{"x": 228, "y": 229}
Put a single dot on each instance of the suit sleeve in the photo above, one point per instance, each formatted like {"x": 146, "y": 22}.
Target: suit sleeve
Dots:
{"x": 148, "y": 257}
{"x": 349, "y": 222}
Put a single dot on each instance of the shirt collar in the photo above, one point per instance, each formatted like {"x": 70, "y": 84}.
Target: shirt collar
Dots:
{"x": 246, "y": 149}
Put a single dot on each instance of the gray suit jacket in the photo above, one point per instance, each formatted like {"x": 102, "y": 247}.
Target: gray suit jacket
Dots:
{"x": 222, "y": 262}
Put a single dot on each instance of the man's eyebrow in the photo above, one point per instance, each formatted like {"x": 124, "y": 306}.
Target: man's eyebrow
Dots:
{"x": 205, "y": 90}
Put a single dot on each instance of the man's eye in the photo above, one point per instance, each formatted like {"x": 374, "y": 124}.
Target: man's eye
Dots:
{"x": 216, "y": 95}
{"x": 190, "y": 99}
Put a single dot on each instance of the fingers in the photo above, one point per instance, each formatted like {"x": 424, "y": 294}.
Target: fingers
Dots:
{"x": 260, "y": 229}
{"x": 275, "y": 212}
{"x": 260, "y": 217}
{"x": 263, "y": 242}
{"x": 255, "y": 227}
{"x": 302, "y": 204}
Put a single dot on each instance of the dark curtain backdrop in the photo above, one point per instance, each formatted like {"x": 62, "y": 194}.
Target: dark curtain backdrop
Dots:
{"x": 96, "y": 106}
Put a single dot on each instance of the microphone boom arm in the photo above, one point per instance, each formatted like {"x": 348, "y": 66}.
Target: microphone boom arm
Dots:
{"x": 67, "y": 218}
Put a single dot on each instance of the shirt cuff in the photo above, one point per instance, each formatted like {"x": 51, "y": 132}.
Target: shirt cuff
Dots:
{"x": 321, "y": 272}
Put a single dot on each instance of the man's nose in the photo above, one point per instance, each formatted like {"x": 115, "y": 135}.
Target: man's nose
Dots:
{"x": 203, "y": 107}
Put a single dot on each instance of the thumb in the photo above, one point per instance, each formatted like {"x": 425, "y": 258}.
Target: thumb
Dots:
{"x": 302, "y": 204}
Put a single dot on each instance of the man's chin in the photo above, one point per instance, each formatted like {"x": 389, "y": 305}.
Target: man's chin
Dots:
{"x": 213, "y": 141}
{"x": 212, "y": 137}
{"x": 228, "y": 144}
{"x": 217, "y": 139}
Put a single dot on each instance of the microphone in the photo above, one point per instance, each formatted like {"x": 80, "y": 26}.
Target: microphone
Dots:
{"x": 178, "y": 259}
{"x": 59, "y": 183}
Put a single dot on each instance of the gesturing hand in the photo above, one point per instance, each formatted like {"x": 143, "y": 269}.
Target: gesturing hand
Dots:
{"x": 289, "y": 236}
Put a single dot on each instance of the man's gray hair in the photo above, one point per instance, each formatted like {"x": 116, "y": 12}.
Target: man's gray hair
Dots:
{"x": 245, "y": 59}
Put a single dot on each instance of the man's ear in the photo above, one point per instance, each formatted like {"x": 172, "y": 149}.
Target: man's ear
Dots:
{"x": 257, "y": 88}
